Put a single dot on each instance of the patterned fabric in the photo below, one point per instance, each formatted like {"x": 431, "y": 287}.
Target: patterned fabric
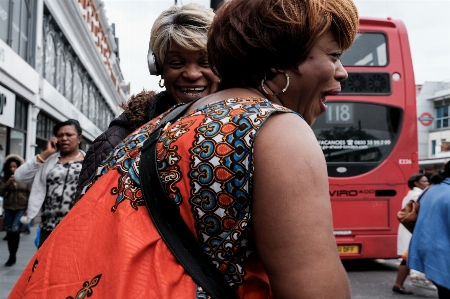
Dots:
{"x": 62, "y": 182}
{"x": 206, "y": 167}
{"x": 118, "y": 129}
{"x": 219, "y": 171}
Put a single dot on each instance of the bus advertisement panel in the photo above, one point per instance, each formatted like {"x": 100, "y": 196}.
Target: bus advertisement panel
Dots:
{"x": 369, "y": 138}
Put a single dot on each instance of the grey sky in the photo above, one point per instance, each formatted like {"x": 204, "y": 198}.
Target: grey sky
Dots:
{"x": 427, "y": 22}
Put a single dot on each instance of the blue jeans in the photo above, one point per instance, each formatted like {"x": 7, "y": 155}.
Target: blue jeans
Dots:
{"x": 12, "y": 220}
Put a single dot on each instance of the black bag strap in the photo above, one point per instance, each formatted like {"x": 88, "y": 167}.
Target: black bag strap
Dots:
{"x": 169, "y": 223}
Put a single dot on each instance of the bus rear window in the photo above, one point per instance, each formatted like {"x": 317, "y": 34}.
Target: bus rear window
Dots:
{"x": 369, "y": 49}
{"x": 357, "y": 132}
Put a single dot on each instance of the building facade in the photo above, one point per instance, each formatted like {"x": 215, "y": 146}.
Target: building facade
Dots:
{"x": 433, "y": 107}
{"x": 58, "y": 60}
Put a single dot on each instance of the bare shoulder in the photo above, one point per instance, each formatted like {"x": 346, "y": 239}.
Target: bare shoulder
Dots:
{"x": 289, "y": 161}
{"x": 287, "y": 137}
{"x": 292, "y": 212}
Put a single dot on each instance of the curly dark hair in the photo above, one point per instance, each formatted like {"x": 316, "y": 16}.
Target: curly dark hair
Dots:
{"x": 136, "y": 108}
{"x": 6, "y": 172}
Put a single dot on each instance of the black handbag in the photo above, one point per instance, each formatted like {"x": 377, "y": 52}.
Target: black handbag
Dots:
{"x": 169, "y": 223}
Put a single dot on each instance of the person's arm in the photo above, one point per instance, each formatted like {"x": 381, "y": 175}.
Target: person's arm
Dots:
{"x": 292, "y": 213}
{"x": 26, "y": 172}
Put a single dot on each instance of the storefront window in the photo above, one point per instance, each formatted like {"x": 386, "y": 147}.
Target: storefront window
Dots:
{"x": 4, "y": 20}
{"x": 20, "y": 119}
{"x": 17, "y": 143}
{"x": 24, "y": 19}
{"x": 18, "y": 134}
{"x": 85, "y": 144}
{"x": 85, "y": 100}
{"x": 16, "y": 18}
{"x": 442, "y": 119}
{"x": 68, "y": 88}
{"x": 44, "y": 131}
{"x": 91, "y": 112}
{"x": 97, "y": 113}
{"x": 60, "y": 70}
{"x": 77, "y": 90}
{"x": 50, "y": 59}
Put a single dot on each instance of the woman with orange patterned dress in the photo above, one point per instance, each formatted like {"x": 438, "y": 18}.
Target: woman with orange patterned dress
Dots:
{"x": 242, "y": 166}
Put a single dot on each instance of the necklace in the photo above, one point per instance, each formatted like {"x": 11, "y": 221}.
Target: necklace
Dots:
{"x": 79, "y": 153}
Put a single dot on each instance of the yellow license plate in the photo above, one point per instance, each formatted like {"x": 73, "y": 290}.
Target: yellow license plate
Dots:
{"x": 348, "y": 249}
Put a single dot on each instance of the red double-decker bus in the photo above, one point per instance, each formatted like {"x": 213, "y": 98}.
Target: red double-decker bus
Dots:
{"x": 369, "y": 138}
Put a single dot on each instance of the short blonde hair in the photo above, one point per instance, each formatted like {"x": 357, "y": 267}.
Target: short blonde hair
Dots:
{"x": 186, "y": 26}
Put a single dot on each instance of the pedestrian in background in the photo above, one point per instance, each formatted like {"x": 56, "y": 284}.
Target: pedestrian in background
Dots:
{"x": 416, "y": 184}
{"x": 178, "y": 44}
{"x": 15, "y": 204}
{"x": 430, "y": 243}
{"x": 54, "y": 176}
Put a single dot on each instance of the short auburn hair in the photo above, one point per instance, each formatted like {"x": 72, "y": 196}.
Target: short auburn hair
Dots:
{"x": 248, "y": 37}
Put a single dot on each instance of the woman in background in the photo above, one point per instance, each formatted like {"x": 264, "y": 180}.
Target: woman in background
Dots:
{"x": 54, "y": 176}
{"x": 416, "y": 184}
{"x": 15, "y": 204}
{"x": 178, "y": 45}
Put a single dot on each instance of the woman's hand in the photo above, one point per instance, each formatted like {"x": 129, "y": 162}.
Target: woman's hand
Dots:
{"x": 10, "y": 180}
{"x": 24, "y": 219}
{"x": 50, "y": 149}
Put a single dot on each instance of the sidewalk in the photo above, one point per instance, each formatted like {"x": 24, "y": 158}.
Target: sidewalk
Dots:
{"x": 9, "y": 275}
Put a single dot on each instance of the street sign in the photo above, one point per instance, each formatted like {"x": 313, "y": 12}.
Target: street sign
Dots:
{"x": 426, "y": 119}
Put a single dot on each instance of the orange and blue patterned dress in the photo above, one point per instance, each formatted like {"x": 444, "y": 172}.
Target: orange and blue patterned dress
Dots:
{"x": 108, "y": 247}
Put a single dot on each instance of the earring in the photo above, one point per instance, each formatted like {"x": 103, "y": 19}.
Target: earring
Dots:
{"x": 161, "y": 84}
{"x": 275, "y": 94}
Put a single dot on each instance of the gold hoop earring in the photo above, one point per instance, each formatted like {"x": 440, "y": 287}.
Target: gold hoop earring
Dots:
{"x": 159, "y": 83}
{"x": 275, "y": 94}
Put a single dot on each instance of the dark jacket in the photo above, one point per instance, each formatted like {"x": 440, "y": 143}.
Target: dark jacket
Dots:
{"x": 118, "y": 129}
{"x": 16, "y": 194}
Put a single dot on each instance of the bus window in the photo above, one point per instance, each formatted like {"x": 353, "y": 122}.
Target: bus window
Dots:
{"x": 369, "y": 49}
{"x": 357, "y": 132}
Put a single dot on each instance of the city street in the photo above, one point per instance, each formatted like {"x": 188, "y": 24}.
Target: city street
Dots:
{"x": 373, "y": 279}
{"x": 9, "y": 275}
{"x": 369, "y": 279}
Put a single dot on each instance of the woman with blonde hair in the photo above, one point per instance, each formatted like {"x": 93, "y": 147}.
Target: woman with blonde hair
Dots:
{"x": 178, "y": 54}
{"x": 241, "y": 168}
